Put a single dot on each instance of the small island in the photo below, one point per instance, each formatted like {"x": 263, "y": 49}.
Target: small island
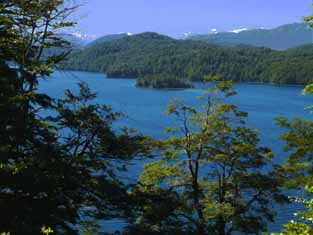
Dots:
{"x": 162, "y": 81}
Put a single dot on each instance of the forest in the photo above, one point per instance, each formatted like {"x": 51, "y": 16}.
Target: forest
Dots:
{"x": 155, "y": 58}
{"x": 59, "y": 170}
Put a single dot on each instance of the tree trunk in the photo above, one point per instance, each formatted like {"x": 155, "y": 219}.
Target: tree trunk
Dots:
{"x": 221, "y": 226}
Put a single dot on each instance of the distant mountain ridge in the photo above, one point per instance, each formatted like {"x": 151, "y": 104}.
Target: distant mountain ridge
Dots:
{"x": 159, "y": 61}
{"x": 108, "y": 38}
{"x": 75, "y": 41}
{"x": 72, "y": 43}
{"x": 280, "y": 38}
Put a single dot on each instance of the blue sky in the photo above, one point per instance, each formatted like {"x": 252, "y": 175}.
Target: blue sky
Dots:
{"x": 175, "y": 17}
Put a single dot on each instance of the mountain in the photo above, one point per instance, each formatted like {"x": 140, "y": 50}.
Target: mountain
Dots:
{"x": 109, "y": 38}
{"x": 280, "y": 38}
{"x": 75, "y": 40}
{"x": 158, "y": 60}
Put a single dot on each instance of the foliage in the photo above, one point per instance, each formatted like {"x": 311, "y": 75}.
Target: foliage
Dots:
{"x": 162, "y": 81}
{"x": 59, "y": 159}
{"x": 150, "y": 57}
{"x": 309, "y": 88}
{"x": 46, "y": 230}
{"x": 298, "y": 167}
{"x": 211, "y": 178}
{"x": 303, "y": 225}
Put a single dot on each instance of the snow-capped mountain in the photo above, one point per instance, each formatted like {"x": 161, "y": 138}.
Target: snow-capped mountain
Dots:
{"x": 280, "y": 38}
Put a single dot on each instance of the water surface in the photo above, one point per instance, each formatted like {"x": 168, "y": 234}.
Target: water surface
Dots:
{"x": 145, "y": 108}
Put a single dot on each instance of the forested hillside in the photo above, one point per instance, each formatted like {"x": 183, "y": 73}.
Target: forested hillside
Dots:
{"x": 143, "y": 55}
{"x": 67, "y": 164}
{"x": 108, "y": 38}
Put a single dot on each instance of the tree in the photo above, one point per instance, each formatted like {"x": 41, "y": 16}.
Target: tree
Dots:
{"x": 299, "y": 141}
{"x": 309, "y": 19}
{"x": 303, "y": 225}
{"x": 212, "y": 177}
{"x": 298, "y": 169}
{"x": 59, "y": 159}
{"x": 30, "y": 28}
{"x": 161, "y": 62}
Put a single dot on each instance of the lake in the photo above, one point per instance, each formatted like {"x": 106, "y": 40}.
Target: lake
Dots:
{"x": 144, "y": 110}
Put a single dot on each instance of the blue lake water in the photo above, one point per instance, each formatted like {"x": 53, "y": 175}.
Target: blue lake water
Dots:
{"x": 145, "y": 108}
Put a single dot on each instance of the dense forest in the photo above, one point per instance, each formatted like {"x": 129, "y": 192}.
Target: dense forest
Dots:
{"x": 61, "y": 159}
{"x": 150, "y": 57}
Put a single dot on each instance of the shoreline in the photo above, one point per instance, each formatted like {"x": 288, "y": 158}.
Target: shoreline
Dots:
{"x": 191, "y": 88}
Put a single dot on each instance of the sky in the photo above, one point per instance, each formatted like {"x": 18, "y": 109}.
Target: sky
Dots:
{"x": 176, "y": 17}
